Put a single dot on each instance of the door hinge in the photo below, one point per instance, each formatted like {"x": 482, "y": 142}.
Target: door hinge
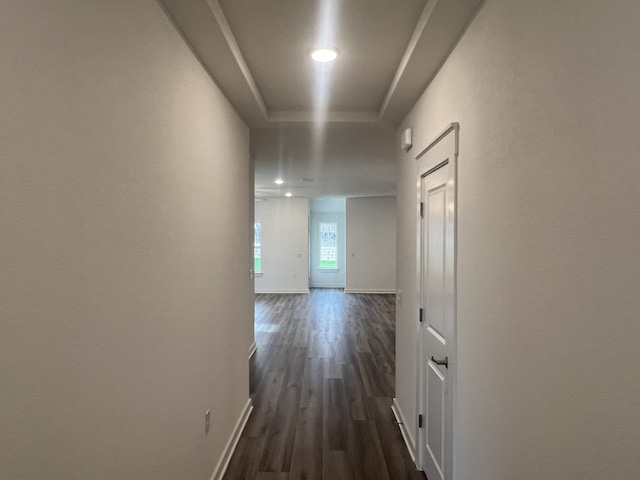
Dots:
{"x": 421, "y": 315}
{"x": 421, "y": 209}
{"x": 419, "y": 421}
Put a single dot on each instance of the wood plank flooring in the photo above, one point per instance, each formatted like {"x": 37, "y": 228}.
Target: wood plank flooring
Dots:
{"x": 322, "y": 384}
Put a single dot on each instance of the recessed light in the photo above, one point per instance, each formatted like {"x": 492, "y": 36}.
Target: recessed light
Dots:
{"x": 288, "y": 194}
{"x": 279, "y": 181}
{"x": 322, "y": 54}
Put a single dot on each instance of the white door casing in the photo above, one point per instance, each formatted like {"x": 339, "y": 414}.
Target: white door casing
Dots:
{"x": 436, "y": 173}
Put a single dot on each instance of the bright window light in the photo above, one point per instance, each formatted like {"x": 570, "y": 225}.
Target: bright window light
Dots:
{"x": 257, "y": 247}
{"x": 328, "y": 246}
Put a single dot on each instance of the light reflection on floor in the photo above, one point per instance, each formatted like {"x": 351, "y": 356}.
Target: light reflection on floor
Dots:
{"x": 266, "y": 327}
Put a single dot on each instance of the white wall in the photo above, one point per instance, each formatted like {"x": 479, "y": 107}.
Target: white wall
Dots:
{"x": 126, "y": 300}
{"x": 548, "y": 100}
{"x": 285, "y": 245}
{"x": 371, "y": 245}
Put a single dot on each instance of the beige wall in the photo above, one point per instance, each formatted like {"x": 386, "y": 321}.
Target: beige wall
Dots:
{"x": 285, "y": 245}
{"x": 548, "y": 100}
{"x": 371, "y": 245}
{"x": 125, "y": 291}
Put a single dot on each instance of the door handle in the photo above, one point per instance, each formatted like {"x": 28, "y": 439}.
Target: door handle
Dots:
{"x": 444, "y": 362}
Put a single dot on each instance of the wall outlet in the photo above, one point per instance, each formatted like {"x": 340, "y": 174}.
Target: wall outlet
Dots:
{"x": 207, "y": 421}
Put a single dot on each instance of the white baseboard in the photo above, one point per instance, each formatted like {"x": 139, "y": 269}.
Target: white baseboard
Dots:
{"x": 383, "y": 291}
{"x": 252, "y": 349}
{"x": 406, "y": 433}
{"x": 232, "y": 443}
{"x": 269, "y": 290}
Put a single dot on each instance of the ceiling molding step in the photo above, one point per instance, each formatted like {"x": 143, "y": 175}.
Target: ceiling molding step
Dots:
{"x": 326, "y": 117}
{"x": 223, "y": 23}
{"x": 413, "y": 42}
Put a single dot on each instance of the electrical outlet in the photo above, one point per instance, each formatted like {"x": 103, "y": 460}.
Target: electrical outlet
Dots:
{"x": 207, "y": 421}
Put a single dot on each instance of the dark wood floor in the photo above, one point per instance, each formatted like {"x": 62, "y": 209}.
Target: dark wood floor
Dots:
{"x": 322, "y": 383}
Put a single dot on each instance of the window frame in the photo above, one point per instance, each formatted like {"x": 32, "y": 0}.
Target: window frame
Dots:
{"x": 257, "y": 247}
{"x": 335, "y": 268}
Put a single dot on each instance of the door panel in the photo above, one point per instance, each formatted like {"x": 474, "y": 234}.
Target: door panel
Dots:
{"x": 435, "y": 414}
{"x": 436, "y": 217}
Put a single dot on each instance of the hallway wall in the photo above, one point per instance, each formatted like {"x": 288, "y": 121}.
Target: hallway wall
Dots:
{"x": 285, "y": 245}
{"x": 125, "y": 290}
{"x": 548, "y": 101}
{"x": 371, "y": 245}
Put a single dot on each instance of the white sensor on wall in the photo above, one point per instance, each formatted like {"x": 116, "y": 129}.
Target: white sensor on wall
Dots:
{"x": 406, "y": 142}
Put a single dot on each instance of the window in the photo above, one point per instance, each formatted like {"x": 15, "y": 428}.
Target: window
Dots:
{"x": 328, "y": 246}
{"x": 257, "y": 247}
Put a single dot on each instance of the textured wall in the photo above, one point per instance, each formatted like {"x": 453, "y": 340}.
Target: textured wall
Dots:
{"x": 125, "y": 247}
{"x": 548, "y": 100}
{"x": 285, "y": 245}
{"x": 371, "y": 244}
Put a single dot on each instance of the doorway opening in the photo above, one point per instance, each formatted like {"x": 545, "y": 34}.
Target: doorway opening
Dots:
{"x": 327, "y": 243}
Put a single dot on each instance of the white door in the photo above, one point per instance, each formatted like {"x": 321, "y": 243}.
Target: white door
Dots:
{"x": 327, "y": 250}
{"x": 437, "y": 261}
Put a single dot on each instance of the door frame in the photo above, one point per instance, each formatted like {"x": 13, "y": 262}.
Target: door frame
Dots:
{"x": 423, "y": 168}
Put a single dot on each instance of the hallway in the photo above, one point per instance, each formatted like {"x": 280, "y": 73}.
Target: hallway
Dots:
{"x": 322, "y": 384}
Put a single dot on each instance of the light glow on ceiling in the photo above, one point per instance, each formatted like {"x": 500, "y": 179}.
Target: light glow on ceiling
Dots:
{"x": 278, "y": 181}
{"x": 324, "y": 55}
{"x": 288, "y": 194}
{"x": 328, "y": 15}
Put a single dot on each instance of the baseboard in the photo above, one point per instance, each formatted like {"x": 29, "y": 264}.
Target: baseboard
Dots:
{"x": 371, "y": 291}
{"x": 269, "y": 290}
{"x": 252, "y": 349}
{"x": 406, "y": 434}
{"x": 232, "y": 443}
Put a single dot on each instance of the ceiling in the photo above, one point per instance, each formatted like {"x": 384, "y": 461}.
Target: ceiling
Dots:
{"x": 327, "y": 129}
